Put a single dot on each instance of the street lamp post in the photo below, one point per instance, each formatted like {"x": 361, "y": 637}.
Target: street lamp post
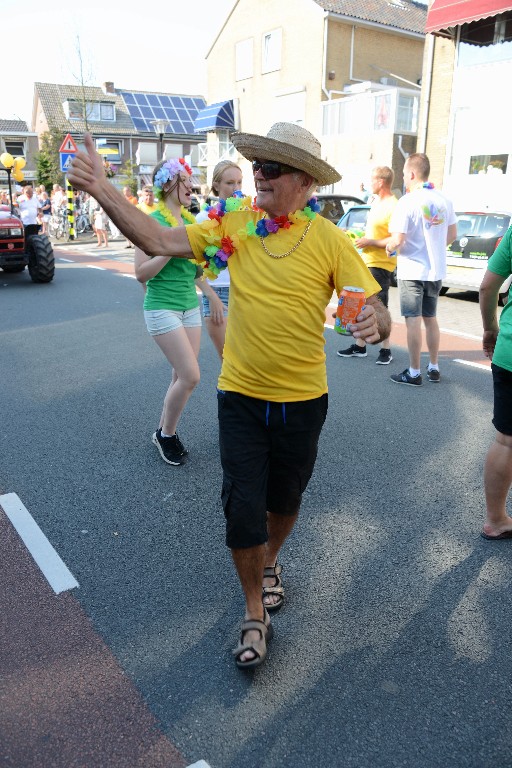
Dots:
{"x": 160, "y": 126}
{"x": 12, "y": 165}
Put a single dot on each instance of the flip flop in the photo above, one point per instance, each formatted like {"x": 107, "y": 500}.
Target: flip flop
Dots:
{"x": 258, "y": 647}
{"x": 504, "y": 535}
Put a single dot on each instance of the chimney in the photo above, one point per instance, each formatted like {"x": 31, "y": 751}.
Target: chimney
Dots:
{"x": 108, "y": 88}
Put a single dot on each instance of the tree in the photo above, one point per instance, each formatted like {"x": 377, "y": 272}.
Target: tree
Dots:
{"x": 48, "y": 159}
{"x": 129, "y": 174}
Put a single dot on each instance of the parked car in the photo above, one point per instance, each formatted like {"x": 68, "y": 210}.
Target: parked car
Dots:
{"x": 354, "y": 222}
{"x": 333, "y": 207}
{"x": 354, "y": 219}
{"x": 478, "y": 235}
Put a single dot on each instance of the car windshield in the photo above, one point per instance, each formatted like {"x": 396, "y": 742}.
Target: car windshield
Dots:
{"x": 482, "y": 224}
{"x": 356, "y": 218}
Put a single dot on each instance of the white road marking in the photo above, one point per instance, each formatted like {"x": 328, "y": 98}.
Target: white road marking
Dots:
{"x": 200, "y": 764}
{"x": 68, "y": 261}
{"x": 473, "y": 365}
{"x": 52, "y": 566}
{"x": 461, "y": 333}
{"x": 123, "y": 274}
{"x": 91, "y": 266}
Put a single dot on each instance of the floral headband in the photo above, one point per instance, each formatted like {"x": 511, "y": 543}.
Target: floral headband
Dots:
{"x": 169, "y": 170}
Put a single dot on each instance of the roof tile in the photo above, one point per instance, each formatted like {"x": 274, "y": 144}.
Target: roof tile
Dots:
{"x": 406, "y": 15}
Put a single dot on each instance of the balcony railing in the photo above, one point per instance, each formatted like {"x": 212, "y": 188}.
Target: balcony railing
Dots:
{"x": 394, "y": 110}
{"x": 211, "y": 153}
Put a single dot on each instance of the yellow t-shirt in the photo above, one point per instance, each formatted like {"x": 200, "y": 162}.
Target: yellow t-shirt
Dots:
{"x": 377, "y": 228}
{"x": 149, "y": 209}
{"x": 274, "y": 347}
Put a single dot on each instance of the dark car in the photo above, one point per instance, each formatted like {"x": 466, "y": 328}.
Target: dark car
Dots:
{"x": 478, "y": 235}
{"x": 333, "y": 206}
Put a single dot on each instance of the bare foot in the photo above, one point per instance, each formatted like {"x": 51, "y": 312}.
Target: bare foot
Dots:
{"x": 502, "y": 531}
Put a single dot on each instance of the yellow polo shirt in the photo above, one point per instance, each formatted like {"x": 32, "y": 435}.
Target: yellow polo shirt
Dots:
{"x": 274, "y": 347}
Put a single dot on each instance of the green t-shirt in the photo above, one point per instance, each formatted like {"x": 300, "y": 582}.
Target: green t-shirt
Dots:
{"x": 501, "y": 264}
{"x": 173, "y": 287}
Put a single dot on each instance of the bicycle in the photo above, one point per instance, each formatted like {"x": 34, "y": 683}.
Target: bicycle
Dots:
{"x": 58, "y": 225}
{"x": 82, "y": 223}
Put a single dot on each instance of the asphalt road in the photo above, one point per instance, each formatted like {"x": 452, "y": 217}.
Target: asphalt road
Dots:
{"x": 393, "y": 647}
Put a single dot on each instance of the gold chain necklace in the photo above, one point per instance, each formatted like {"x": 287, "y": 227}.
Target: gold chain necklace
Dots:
{"x": 282, "y": 255}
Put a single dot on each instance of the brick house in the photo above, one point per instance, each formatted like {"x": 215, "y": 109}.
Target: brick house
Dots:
{"x": 463, "y": 124}
{"x": 349, "y": 72}
{"x": 18, "y": 141}
{"x": 122, "y": 120}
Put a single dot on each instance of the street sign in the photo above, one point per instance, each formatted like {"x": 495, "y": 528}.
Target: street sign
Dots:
{"x": 68, "y": 146}
{"x": 65, "y": 160}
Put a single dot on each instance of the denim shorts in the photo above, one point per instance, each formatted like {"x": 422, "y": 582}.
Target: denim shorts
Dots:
{"x": 268, "y": 451}
{"x": 223, "y": 294}
{"x": 418, "y": 298}
{"x": 160, "y": 321}
{"x": 502, "y": 379}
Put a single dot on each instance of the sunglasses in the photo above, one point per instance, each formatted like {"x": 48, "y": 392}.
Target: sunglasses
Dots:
{"x": 271, "y": 169}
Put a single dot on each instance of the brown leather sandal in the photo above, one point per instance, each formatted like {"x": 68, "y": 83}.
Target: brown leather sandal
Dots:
{"x": 258, "y": 647}
{"x": 276, "y": 589}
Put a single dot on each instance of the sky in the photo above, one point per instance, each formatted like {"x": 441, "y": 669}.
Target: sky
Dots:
{"x": 151, "y": 46}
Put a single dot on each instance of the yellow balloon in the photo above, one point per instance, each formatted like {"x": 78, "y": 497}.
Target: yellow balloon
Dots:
{"x": 6, "y": 159}
{"x": 18, "y": 176}
{"x": 19, "y": 163}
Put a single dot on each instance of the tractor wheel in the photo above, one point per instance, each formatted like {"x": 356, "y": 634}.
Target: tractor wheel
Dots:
{"x": 41, "y": 261}
{"x": 12, "y": 268}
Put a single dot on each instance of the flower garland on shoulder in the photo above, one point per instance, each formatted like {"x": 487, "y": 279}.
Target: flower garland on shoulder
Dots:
{"x": 216, "y": 254}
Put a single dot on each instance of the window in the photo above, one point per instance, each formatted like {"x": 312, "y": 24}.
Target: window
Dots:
{"x": 173, "y": 150}
{"x": 488, "y": 164}
{"x": 244, "y": 59}
{"x": 407, "y": 114}
{"x": 15, "y": 148}
{"x": 95, "y": 110}
{"x": 271, "y": 51}
{"x": 147, "y": 154}
{"x": 486, "y": 40}
{"x": 114, "y": 157}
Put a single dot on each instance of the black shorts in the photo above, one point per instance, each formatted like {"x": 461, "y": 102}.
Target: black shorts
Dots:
{"x": 502, "y": 379}
{"x": 383, "y": 277}
{"x": 268, "y": 451}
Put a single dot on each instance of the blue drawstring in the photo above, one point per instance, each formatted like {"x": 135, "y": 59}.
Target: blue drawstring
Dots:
{"x": 283, "y": 412}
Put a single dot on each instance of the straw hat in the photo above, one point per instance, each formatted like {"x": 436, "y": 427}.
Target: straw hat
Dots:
{"x": 290, "y": 144}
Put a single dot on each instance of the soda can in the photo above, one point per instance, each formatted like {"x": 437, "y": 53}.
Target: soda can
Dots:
{"x": 350, "y": 303}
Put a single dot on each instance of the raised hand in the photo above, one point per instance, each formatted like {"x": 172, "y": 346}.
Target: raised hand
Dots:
{"x": 86, "y": 171}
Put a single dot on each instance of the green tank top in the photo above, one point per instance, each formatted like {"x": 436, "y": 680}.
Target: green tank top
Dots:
{"x": 173, "y": 287}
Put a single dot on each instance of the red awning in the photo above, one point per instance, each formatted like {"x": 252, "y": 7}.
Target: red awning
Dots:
{"x": 451, "y": 13}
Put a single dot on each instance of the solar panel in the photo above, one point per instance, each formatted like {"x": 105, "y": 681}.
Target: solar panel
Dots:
{"x": 180, "y": 112}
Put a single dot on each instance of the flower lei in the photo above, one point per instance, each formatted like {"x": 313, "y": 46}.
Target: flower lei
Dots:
{"x": 216, "y": 254}
{"x": 167, "y": 215}
{"x": 169, "y": 170}
{"x": 427, "y": 185}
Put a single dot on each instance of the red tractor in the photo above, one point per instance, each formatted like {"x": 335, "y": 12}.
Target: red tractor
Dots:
{"x": 22, "y": 246}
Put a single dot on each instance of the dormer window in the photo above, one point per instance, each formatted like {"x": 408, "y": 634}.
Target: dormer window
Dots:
{"x": 97, "y": 111}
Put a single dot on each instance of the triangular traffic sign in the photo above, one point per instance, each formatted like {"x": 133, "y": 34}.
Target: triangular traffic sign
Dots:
{"x": 68, "y": 145}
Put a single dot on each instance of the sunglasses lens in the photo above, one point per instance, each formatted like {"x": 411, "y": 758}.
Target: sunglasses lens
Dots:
{"x": 269, "y": 168}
